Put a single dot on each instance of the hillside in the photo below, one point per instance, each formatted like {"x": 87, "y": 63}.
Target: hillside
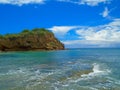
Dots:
{"x": 37, "y": 39}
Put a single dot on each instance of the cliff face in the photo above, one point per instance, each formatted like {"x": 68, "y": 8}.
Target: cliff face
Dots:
{"x": 37, "y": 39}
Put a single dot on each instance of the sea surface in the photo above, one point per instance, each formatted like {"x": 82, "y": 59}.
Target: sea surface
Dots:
{"x": 75, "y": 69}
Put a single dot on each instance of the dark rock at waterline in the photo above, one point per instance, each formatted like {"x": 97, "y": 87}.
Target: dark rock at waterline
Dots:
{"x": 37, "y": 39}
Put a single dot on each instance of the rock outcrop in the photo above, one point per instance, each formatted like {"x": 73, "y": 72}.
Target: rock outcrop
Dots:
{"x": 37, "y": 39}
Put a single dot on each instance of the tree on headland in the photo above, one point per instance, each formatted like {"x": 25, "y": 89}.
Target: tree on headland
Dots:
{"x": 25, "y": 31}
{"x": 1, "y": 36}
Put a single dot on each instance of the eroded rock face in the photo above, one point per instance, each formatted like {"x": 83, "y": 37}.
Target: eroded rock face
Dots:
{"x": 37, "y": 39}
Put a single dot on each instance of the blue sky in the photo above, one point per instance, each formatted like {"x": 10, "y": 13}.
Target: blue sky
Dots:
{"x": 77, "y": 23}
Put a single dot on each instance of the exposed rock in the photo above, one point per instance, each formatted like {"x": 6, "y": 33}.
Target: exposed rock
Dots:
{"x": 37, "y": 39}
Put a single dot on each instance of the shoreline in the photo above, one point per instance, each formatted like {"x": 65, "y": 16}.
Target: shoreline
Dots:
{"x": 30, "y": 50}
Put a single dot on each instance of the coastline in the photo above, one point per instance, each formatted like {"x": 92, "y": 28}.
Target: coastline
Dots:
{"x": 31, "y": 50}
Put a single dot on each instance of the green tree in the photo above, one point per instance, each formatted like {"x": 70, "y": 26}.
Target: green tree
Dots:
{"x": 1, "y": 36}
{"x": 25, "y": 31}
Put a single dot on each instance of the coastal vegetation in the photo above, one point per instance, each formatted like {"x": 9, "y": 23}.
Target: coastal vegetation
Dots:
{"x": 36, "y": 39}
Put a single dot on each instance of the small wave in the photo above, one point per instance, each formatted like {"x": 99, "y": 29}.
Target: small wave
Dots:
{"x": 21, "y": 70}
{"x": 15, "y": 72}
{"x": 97, "y": 70}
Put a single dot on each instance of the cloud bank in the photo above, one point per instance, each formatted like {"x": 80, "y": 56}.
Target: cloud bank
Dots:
{"x": 91, "y": 44}
{"x": 21, "y": 2}
{"x": 108, "y": 32}
{"x": 79, "y": 2}
{"x": 107, "y": 35}
{"x": 86, "y": 2}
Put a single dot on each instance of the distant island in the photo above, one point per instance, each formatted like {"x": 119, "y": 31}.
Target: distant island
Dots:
{"x": 36, "y": 39}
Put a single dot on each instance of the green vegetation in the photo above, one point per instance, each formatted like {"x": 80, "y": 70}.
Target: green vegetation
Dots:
{"x": 10, "y": 35}
{"x": 39, "y": 31}
{"x": 52, "y": 43}
{"x": 1, "y": 36}
{"x": 25, "y": 31}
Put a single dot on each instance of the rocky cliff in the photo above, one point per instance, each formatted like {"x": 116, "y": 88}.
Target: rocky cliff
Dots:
{"x": 37, "y": 39}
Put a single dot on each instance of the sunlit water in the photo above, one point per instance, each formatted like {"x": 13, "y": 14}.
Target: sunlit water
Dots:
{"x": 79, "y": 69}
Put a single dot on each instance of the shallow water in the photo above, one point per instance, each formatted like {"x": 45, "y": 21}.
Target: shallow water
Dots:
{"x": 77, "y": 69}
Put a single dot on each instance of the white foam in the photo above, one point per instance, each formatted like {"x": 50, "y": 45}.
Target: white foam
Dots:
{"x": 18, "y": 71}
{"x": 97, "y": 71}
{"x": 96, "y": 68}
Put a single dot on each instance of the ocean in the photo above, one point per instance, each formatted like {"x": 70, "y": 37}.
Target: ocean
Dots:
{"x": 73, "y": 69}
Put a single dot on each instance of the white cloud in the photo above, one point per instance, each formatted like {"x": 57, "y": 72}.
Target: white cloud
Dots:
{"x": 105, "y": 13}
{"x": 79, "y": 2}
{"x": 87, "y": 2}
{"x": 107, "y": 35}
{"x": 93, "y": 2}
{"x": 90, "y": 44}
{"x": 108, "y": 32}
{"x": 21, "y": 2}
{"x": 4, "y": 1}
{"x": 61, "y": 30}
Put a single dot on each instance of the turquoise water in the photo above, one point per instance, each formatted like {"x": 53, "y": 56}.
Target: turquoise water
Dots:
{"x": 78, "y": 69}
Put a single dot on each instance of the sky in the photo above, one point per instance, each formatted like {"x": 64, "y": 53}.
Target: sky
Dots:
{"x": 76, "y": 23}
